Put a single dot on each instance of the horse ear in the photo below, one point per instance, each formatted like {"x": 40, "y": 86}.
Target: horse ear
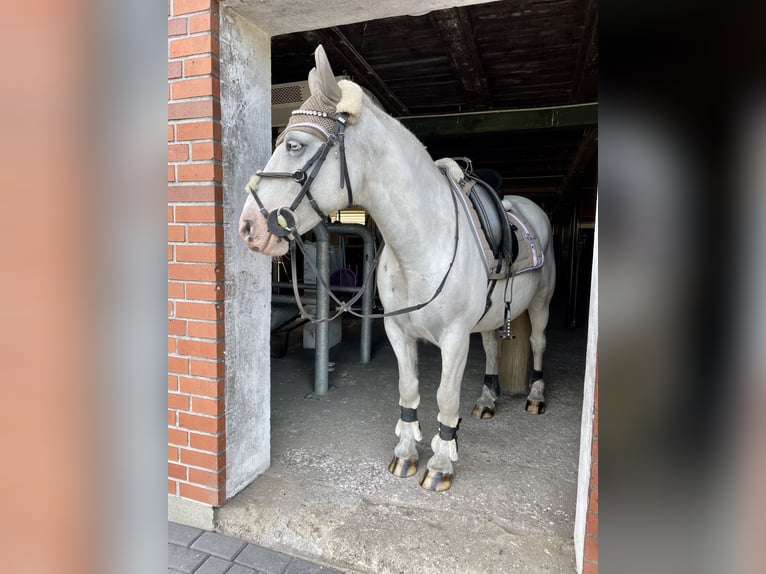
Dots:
{"x": 322, "y": 79}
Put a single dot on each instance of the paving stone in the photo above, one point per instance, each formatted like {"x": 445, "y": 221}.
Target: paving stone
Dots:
{"x": 239, "y": 569}
{"x": 298, "y": 566}
{"x": 181, "y": 534}
{"x": 184, "y": 559}
{"x": 213, "y": 565}
{"x": 263, "y": 559}
{"x": 218, "y": 545}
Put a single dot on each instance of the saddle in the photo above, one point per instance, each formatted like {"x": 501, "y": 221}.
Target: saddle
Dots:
{"x": 505, "y": 239}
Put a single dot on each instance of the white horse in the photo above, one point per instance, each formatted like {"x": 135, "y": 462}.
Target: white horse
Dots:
{"x": 429, "y": 256}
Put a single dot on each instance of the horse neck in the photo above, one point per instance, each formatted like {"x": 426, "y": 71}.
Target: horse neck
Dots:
{"x": 409, "y": 199}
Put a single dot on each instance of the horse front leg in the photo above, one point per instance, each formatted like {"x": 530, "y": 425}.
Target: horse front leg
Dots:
{"x": 405, "y": 461}
{"x": 485, "y": 404}
{"x": 439, "y": 474}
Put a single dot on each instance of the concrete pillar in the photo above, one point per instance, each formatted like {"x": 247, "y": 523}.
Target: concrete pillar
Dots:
{"x": 246, "y": 122}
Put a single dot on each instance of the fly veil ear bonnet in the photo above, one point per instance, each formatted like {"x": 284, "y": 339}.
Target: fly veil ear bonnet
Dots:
{"x": 328, "y": 98}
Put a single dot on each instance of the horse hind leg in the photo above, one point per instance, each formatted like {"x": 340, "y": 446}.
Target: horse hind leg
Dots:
{"x": 538, "y": 318}
{"x": 484, "y": 408}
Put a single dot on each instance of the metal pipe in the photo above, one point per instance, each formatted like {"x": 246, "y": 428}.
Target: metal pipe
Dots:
{"x": 321, "y": 332}
{"x": 367, "y": 296}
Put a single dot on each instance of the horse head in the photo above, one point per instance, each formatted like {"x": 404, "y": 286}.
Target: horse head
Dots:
{"x": 305, "y": 179}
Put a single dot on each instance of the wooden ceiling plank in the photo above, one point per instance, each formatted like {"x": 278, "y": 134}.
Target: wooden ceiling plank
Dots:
{"x": 455, "y": 29}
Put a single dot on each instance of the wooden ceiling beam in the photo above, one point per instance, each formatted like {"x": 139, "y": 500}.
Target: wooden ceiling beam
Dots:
{"x": 502, "y": 120}
{"x": 455, "y": 29}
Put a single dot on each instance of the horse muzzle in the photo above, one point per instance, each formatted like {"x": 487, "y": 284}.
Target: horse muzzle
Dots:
{"x": 258, "y": 237}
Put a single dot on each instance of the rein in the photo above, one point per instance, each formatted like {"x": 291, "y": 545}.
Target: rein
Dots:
{"x": 346, "y": 306}
{"x": 281, "y": 221}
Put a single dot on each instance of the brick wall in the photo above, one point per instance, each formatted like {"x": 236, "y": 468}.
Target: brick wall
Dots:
{"x": 196, "y": 423}
{"x": 590, "y": 552}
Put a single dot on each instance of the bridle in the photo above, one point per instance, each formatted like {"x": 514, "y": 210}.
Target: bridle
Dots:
{"x": 281, "y": 221}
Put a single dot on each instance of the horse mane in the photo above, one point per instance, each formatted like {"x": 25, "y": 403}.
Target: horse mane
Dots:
{"x": 419, "y": 151}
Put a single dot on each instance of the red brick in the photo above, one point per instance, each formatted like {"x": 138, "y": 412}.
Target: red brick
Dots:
{"x": 198, "y": 131}
{"x": 193, "y": 45}
{"x": 175, "y": 69}
{"x": 172, "y": 383}
{"x": 593, "y": 500}
{"x": 178, "y": 152}
{"x": 205, "y": 291}
{"x": 200, "y": 423}
{"x": 207, "y": 150}
{"x": 176, "y": 327}
{"x": 200, "y": 494}
{"x": 204, "y": 65}
{"x": 178, "y": 365}
{"x": 194, "y": 272}
{"x": 189, "y": 6}
{"x": 176, "y": 233}
{"x": 206, "y": 406}
{"x": 173, "y": 453}
{"x": 209, "y": 369}
{"x": 206, "y": 329}
{"x": 205, "y": 234}
{"x": 590, "y": 568}
{"x": 199, "y": 254}
{"x": 172, "y": 486}
{"x": 203, "y": 23}
{"x": 591, "y": 524}
{"x": 171, "y": 214}
{"x": 203, "y": 459}
{"x": 199, "y": 172}
{"x": 172, "y": 416}
{"x": 208, "y": 311}
{"x": 209, "y": 443}
{"x": 591, "y": 549}
{"x": 172, "y": 345}
{"x": 201, "y": 387}
{"x": 207, "y": 108}
{"x": 198, "y": 214}
{"x": 177, "y": 26}
{"x": 171, "y": 133}
{"x": 176, "y": 471}
{"x": 170, "y": 253}
{"x": 177, "y": 436}
{"x": 209, "y": 193}
{"x": 178, "y": 402}
{"x": 203, "y": 349}
{"x": 207, "y": 478}
{"x": 171, "y": 173}
{"x": 176, "y": 290}
{"x": 594, "y": 475}
{"x": 195, "y": 88}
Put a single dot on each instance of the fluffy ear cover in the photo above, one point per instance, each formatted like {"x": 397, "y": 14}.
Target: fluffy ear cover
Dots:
{"x": 350, "y": 101}
{"x": 253, "y": 183}
{"x": 453, "y": 169}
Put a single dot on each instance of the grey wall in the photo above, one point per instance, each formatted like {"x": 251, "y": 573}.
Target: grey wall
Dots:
{"x": 246, "y": 117}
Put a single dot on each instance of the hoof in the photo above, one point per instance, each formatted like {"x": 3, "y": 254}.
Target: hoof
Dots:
{"x": 480, "y": 412}
{"x": 436, "y": 481}
{"x": 403, "y": 467}
{"x": 535, "y": 407}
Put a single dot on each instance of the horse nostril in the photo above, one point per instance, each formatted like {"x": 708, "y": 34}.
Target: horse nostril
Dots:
{"x": 245, "y": 228}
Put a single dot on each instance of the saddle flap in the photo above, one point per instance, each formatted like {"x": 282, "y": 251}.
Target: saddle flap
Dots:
{"x": 491, "y": 214}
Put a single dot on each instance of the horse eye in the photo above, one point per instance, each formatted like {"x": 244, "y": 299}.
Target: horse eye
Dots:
{"x": 293, "y": 145}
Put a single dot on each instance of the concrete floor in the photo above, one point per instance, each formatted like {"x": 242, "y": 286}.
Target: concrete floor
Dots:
{"x": 328, "y": 495}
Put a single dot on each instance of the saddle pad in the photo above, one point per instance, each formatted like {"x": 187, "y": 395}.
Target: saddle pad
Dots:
{"x": 530, "y": 251}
